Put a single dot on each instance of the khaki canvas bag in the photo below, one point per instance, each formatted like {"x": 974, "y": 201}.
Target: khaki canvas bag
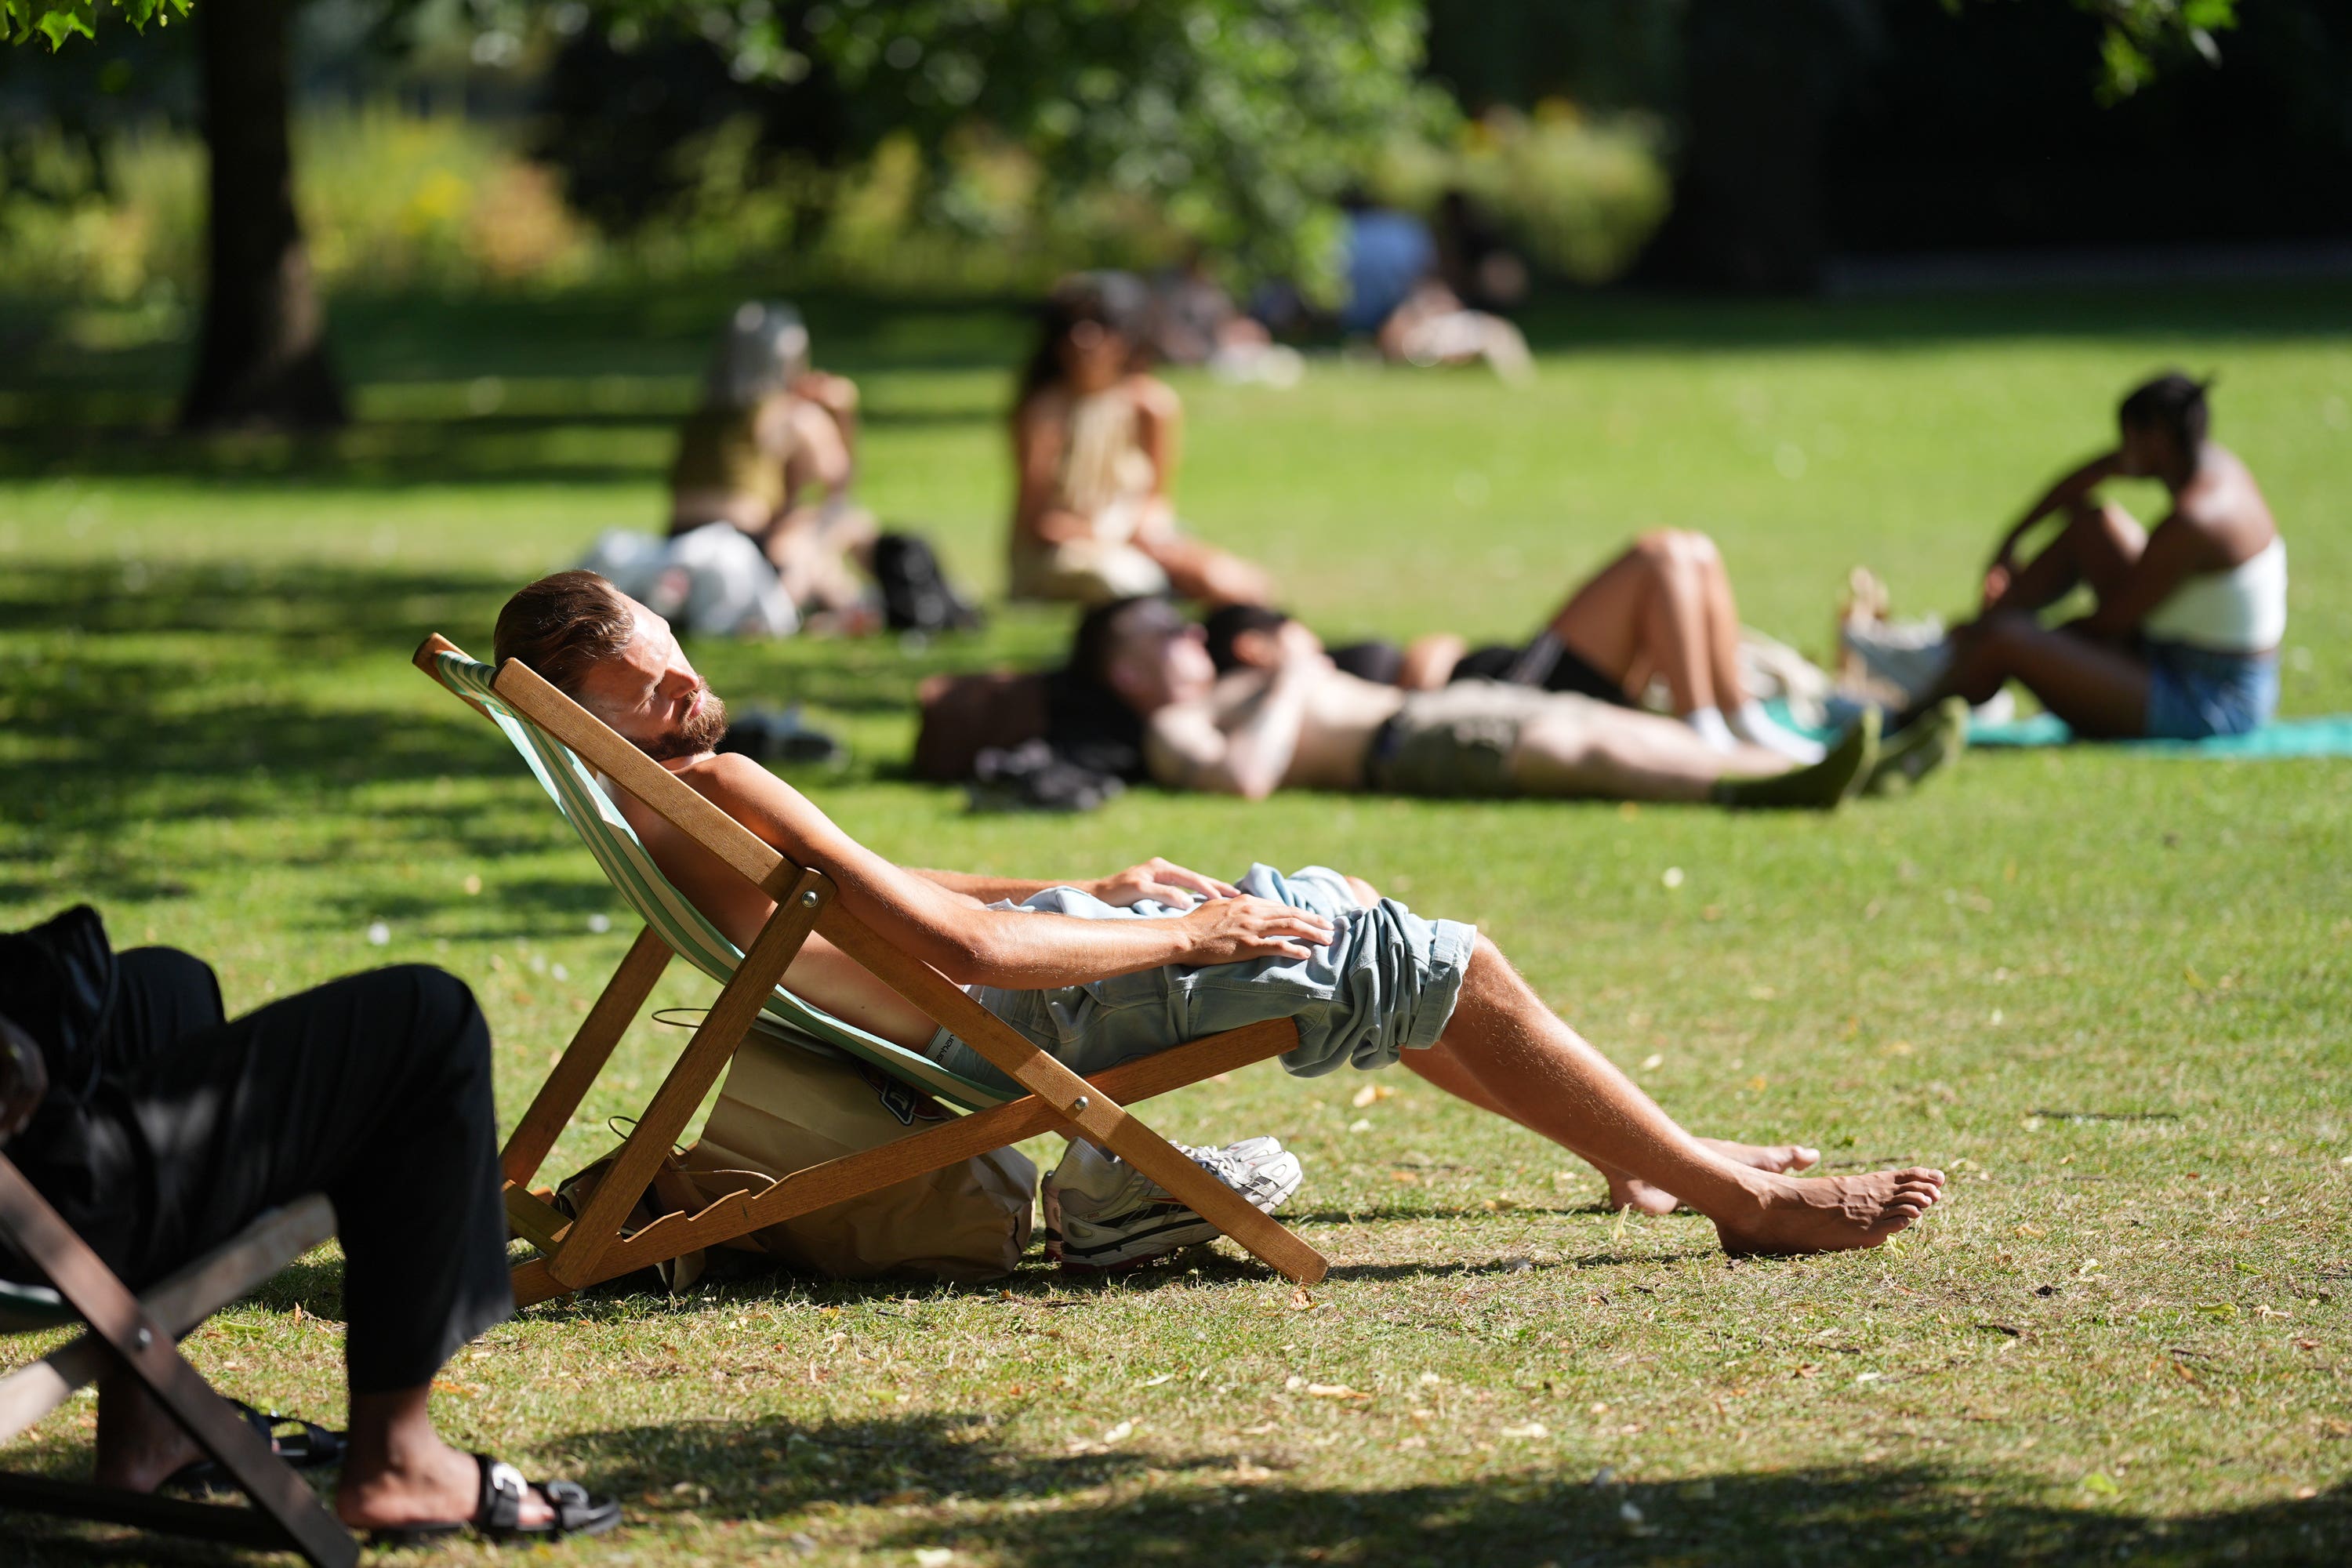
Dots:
{"x": 783, "y": 1109}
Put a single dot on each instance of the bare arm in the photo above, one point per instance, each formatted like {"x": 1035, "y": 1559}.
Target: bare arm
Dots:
{"x": 1038, "y": 437}
{"x": 1155, "y": 879}
{"x": 1249, "y": 756}
{"x": 819, "y": 456}
{"x": 2177, "y": 549}
{"x": 950, "y": 930}
{"x": 2064, "y": 493}
{"x": 837, "y": 395}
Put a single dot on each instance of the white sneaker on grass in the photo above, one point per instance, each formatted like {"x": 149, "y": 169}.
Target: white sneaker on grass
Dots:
{"x": 1103, "y": 1213}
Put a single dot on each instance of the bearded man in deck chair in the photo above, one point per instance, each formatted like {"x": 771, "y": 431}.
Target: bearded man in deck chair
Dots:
{"x": 1099, "y": 975}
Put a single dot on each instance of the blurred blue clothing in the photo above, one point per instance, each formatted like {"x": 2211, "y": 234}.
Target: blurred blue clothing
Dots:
{"x": 1388, "y": 253}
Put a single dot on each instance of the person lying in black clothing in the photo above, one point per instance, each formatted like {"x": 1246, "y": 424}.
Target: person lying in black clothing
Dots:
{"x": 164, "y": 1129}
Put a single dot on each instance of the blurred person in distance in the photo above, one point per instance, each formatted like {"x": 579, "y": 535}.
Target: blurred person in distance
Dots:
{"x": 1095, "y": 443}
{"x": 772, "y": 451}
{"x": 2184, "y": 641}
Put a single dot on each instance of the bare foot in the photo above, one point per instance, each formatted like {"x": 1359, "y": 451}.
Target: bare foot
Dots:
{"x": 138, "y": 1444}
{"x": 1627, "y": 1191}
{"x": 1831, "y": 1214}
{"x": 436, "y": 1487}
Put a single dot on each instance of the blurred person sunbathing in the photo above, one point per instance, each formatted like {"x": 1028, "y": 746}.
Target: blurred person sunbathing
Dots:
{"x": 772, "y": 451}
{"x": 2183, "y": 642}
{"x": 1102, "y": 973}
{"x": 1292, "y": 719}
{"x": 1662, "y": 611}
{"x": 1095, "y": 447}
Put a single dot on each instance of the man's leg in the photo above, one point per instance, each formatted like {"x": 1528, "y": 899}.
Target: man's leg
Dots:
{"x": 1524, "y": 1057}
{"x": 1440, "y": 1066}
{"x": 1585, "y": 750}
{"x": 375, "y": 1091}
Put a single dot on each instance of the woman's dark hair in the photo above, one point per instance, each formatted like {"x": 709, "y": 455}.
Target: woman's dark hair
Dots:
{"x": 2172, "y": 403}
{"x": 1115, "y": 301}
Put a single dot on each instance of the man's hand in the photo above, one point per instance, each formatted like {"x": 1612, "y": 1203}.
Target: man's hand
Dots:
{"x": 1160, "y": 882}
{"x": 1232, "y": 930}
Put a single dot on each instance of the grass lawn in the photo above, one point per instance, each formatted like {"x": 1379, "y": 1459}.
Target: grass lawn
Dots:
{"x": 2110, "y": 994}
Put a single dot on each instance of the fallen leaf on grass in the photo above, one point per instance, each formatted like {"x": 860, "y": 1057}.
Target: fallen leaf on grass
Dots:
{"x": 1333, "y": 1390}
{"x": 2098, "y": 1481}
{"x": 1156, "y": 1381}
{"x": 1528, "y": 1429}
{"x": 933, "y": 1556}
{"x": 1371, "y": 1094}
{"x": 1300, "y": 1301}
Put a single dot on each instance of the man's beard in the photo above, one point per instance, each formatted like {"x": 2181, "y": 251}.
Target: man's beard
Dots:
{"x": 698, "y": 732}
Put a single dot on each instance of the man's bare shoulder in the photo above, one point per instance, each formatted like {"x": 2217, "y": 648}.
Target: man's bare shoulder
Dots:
{"x": 729, "y": 780}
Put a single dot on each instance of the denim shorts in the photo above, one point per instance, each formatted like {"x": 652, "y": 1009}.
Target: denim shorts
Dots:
{"x": 1386, "y": 984}
{"x": 2193, "y": 693}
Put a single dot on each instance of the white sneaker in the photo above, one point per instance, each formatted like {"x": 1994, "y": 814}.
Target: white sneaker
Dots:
{"x": 1103, "y": 1213}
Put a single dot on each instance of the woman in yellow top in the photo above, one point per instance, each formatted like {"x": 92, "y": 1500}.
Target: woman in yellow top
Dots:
{"x": 1094, "y": 443}
{"x": 771, "y": 434}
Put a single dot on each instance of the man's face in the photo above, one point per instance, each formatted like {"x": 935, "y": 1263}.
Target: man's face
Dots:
{"x": 652, "y": 697}
{"x": 1161, "y": 660}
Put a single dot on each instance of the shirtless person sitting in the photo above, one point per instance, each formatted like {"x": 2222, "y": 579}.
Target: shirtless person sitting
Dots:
{"x": 1296, "y": 721}
{"x": 1367, "y": 982}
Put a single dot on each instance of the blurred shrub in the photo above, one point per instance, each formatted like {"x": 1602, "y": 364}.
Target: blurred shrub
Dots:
{"x": 387, "y": 199}
{"x": 394, "y": 200}
{"x": 1578, "y": 197}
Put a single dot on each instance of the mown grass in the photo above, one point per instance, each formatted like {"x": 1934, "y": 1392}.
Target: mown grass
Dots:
{"x": 2109, "y": 993}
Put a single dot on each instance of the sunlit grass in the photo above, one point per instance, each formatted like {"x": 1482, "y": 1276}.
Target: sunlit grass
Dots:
{"x": 2108, "y": 994}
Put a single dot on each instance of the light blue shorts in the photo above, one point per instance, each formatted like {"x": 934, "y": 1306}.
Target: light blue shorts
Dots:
{"x": 2193, "y": 693}
{"x": 1387, "y": 984}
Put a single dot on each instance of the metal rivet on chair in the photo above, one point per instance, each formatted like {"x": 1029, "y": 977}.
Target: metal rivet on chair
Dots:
{"x": 809, "y": 899}
{"x": 1078, "y": 1104}
{"x": 142, "y": 1336}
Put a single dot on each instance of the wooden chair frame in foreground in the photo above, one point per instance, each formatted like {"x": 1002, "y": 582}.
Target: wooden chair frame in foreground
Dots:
{"x": 138, "y": 1334}
{"x": 577, "y": 1252}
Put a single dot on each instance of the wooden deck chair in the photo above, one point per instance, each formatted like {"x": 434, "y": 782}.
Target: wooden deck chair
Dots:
{"x": 141, "y": 1333}
{"x": 567, "y": 747}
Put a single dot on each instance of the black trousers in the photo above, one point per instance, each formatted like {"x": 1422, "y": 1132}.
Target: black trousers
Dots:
{"x": 373, "y": 1089}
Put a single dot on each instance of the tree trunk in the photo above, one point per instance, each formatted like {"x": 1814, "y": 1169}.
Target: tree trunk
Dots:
{"x": 263, "y": 358}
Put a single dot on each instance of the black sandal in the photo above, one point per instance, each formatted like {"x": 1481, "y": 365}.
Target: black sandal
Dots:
{"x": 308, "y": 1446}
{"x": 498, "y": 1515}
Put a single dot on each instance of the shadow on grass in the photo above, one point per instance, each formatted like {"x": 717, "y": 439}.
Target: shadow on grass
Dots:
{"x": 952, "y": 1483}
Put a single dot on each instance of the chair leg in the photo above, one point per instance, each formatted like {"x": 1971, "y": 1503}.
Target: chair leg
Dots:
{"x": 147, "y": 1352}
{"x": 698, "y": 1067}
{"x": 589, "y": 1050}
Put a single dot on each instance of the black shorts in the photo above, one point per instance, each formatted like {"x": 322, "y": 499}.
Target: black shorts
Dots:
{"x": 1567, "y": 672}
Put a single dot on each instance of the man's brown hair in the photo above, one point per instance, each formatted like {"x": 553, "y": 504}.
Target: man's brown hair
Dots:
{"x": 562, "y": 626}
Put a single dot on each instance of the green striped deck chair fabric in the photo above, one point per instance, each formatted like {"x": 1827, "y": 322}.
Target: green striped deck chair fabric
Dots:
{"x": 574, "y": 788}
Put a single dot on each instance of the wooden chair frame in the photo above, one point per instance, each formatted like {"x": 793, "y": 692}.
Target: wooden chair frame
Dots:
{"x": 140, "y": 1334}
{"x": 593, "y": 1246}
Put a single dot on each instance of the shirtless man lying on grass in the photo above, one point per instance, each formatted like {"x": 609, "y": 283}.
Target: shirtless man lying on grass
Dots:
{"x": 1286, "y": 717}
{"x": 1102, "y": 973}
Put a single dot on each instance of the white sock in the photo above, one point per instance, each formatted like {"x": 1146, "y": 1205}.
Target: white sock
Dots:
{"x": 1708, "y": 723}
{"x": 1759, "y": 728}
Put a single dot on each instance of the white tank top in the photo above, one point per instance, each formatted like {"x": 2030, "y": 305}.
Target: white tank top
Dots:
{"x": 2243, "y": 610}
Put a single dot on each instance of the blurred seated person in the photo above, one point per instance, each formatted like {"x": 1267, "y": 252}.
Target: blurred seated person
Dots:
{"x": 1396, "y": 293}
{"x": 1662, "y": 611}
{"x": 160, "y": 1128}
{"x": 1302, "y": 724}
{"x": 773, "y": 452}
{"x": 2183, "y": 640}
{"x": 1094, "y": 445}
